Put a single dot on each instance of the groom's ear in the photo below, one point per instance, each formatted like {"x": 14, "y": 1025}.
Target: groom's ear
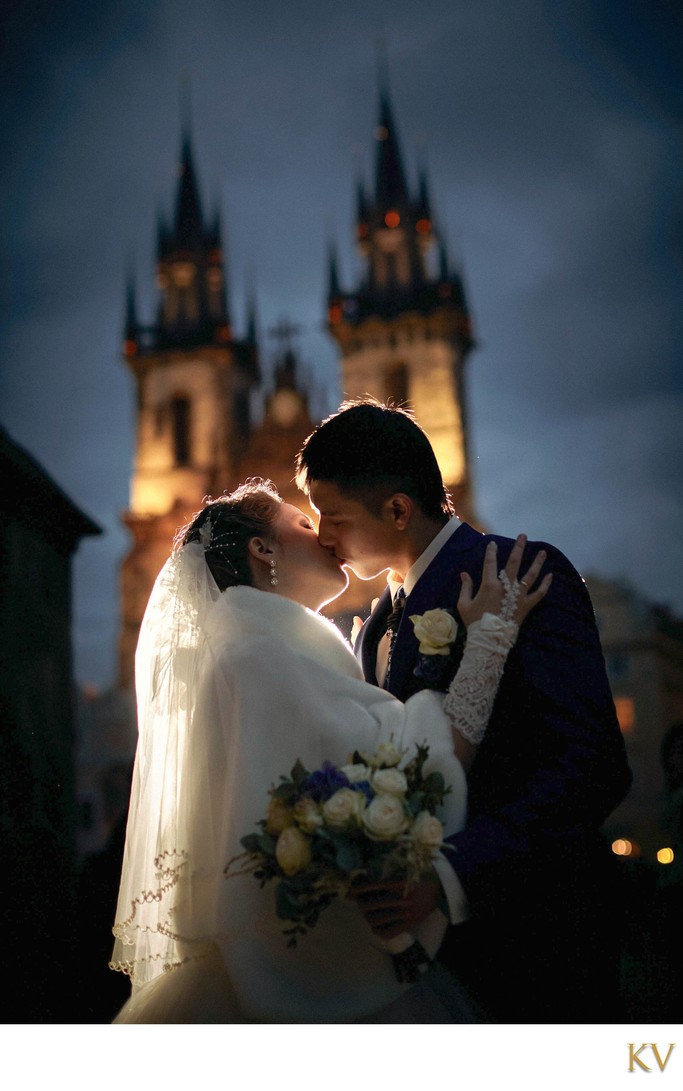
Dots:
{"x": 398, "y": 510}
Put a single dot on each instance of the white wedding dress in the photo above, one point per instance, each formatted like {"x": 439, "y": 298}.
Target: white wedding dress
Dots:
{"x": 276, "y": 683}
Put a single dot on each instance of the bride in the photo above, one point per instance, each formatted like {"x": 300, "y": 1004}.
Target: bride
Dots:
{"x": 237, "y": 676}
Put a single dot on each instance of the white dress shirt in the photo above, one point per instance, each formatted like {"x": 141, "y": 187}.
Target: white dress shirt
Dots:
{"x": 455, "y": 895}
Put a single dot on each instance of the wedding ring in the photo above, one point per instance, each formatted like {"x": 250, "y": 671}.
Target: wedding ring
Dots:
{"x": 524, "y": 584}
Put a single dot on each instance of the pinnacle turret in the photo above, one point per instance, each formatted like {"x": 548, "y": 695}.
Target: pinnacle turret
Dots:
{"x": 189, "y": 230}
{"x": 333, "y": 288}
{"x": 395, "y": 235}
{"x": 391, "y": 190}
{"x": 190, "y": 268}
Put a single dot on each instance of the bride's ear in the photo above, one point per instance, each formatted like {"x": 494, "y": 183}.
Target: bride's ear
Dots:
{"x": 260, "y": 550}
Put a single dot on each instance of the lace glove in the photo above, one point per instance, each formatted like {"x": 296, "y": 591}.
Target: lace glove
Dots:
{"x": 470, "y": 698}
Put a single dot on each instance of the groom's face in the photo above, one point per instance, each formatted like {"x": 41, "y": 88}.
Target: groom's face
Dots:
{"x": 364, "y": 542}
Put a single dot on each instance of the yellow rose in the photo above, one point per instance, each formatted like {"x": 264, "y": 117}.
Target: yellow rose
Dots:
{"x": 307, "y": 814}
{"x": 344, "y": 806}
{"x": 385, "y": 817}
{"x": 292, "y": 850}
{"x": 279, "y": 816}
{"x": 435, "y": 629}
{"x": 427, "y": 830}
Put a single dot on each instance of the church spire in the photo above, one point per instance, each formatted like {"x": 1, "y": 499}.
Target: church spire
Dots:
{"x": 334, "y": 291}
{"x": 189, "y": 228}
{"x": 444, "y": 272}
{"x": 396, "y": 235}
{"x": 404, "y": 330}
{"x": 131, "y": 324}
{"x": 333, "y": 288}
{"x": 423, "y": 201}
{"x": 251, "y": 336}
{"x": 190, "y": 272}
{"x": 391, "y": 191}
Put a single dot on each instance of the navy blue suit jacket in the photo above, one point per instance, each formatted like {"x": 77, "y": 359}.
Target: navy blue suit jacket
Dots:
{"x": 552, "y": 765}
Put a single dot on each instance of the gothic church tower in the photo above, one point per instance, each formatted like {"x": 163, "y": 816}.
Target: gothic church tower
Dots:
{"x": 404, "y": 332}
{"x": 193, "y": 382}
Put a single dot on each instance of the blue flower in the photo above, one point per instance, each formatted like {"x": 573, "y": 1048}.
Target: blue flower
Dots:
{"x": 323, "y": 783}
{"x": 364, "y": 787}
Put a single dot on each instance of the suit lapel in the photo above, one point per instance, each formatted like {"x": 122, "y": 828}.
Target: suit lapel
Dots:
{"x": 438, "y": 587}
{"x": 370, "y": 635}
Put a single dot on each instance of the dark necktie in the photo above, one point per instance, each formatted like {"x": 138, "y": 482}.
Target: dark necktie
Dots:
{"x": 393, "y": 622}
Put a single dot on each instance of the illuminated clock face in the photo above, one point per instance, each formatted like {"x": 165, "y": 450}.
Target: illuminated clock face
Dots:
{"x": 285, "y": 407}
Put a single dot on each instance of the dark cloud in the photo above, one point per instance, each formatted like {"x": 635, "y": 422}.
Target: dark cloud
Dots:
{"x": 551, "y": 133}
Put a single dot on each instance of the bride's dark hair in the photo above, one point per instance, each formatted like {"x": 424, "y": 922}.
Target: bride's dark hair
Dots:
{"x": 225, "y": 526}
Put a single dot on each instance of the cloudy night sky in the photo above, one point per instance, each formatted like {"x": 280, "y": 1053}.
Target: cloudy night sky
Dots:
{"x": 551, "y": 133}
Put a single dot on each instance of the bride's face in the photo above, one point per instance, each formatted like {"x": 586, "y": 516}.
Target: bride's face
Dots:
{"x": 306, "y": 571}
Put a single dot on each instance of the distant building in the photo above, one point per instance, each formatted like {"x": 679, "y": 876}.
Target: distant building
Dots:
{"x": 404, "y": 334}
{"x": 643, "y": 646}
{"x": 40, "y": 529}
{"x": 404, "y": 330}
{"x": 195, "y": 385}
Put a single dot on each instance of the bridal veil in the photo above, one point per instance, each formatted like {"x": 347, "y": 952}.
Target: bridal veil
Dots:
{"x": 170, "y": 660}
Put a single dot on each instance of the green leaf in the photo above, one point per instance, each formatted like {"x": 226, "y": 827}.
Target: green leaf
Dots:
{"x": 298, "y": 774}
{"x": 286, "y": 792}
{"x": 251, "y": 842}
{"x": 286, "y": 902}
{"x": 347, "y": 856}
{"x": 434, "y": 783}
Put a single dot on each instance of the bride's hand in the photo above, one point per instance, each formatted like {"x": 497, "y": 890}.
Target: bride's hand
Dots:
{"x": 489, "y": 597}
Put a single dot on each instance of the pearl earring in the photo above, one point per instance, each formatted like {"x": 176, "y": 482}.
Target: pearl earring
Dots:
{"x": 273, "y": 574}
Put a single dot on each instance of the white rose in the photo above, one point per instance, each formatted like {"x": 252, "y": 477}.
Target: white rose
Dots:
{"x": 385, "y": 817}
{"x": 392, "y": 781}
{"x": 386, "y": 754}
{"x": 343, "y": 807}
{"x": 355, "y": 773}
{"x": 435, "y": 629}
{"x": 292, "y": 850}
{"x": 427, "y": 830}
{"x": 307, "y": 814}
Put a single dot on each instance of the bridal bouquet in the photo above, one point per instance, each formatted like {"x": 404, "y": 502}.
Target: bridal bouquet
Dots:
{"x": 371, "y": 820}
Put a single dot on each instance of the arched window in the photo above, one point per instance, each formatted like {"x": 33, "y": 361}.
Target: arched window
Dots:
{"x": 397, "y": 383}
{"x": 180, "y": 417}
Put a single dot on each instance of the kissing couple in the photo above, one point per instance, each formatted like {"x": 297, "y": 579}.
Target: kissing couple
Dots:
{"x": 484, "y": 648}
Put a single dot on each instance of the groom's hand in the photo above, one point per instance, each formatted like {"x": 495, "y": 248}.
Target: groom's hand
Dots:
{"x": 389, "y": 910}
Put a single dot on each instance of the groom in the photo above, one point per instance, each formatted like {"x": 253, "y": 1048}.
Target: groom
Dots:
{"x": 530, "y": 892}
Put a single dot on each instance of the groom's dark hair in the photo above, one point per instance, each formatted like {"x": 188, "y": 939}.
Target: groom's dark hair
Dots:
{"x": 370, "y": 451}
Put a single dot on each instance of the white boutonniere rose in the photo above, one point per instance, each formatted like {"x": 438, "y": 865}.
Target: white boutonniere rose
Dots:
{"x": 436, "y": 631}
